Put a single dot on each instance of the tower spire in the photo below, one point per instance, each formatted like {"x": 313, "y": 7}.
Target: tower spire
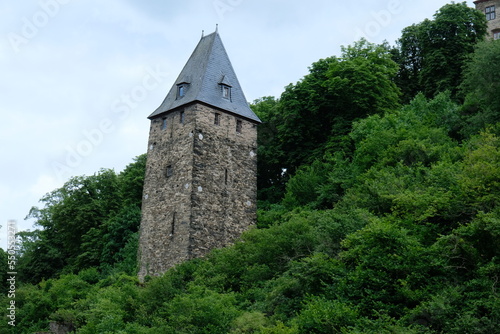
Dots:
{"x": 203, "y": 78}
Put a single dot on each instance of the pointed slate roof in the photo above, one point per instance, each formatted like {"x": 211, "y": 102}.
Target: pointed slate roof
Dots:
{"x": 206, "y": 70}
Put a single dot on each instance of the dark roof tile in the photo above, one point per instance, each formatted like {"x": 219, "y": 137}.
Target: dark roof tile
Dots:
{"x": 205, "y": 71}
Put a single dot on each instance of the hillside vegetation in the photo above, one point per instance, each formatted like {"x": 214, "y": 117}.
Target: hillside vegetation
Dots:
{"x": 379, "y": 191}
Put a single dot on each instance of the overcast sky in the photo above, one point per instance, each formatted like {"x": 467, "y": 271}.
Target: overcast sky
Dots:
{"x": 79, "y": 77}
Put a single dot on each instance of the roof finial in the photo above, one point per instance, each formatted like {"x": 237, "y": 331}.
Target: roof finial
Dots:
{"x": 216, "y": 27}
{"x": 202, "y": 33}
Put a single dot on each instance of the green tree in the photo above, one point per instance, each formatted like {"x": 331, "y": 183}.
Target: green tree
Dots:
{"x": 107, "y": 311}
{"x": 73, "y": 215}
{"x": 314, "y": 115}
{"x": 480, "y": 177}
{"x": 118, "y": 231}
{"x": 4, "y": 258}
{"x": 270, "y": 180}
{"x": 433, "y": 52}
{"x": 409, "y": 56}
{"x": 131, "y": 181}
{"x": 205, "y": 310}
{"x": 407, "y": 165}
{"x": 318, "y": 111}
{"x": 86, "y": 223}
{"x": 481, "y": 86}
{"x": 305, "y": 186}
{"x": 387, "y": 270}
{"x": 323, "y": 315}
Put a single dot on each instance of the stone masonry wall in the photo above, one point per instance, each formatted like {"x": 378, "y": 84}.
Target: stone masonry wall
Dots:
{"x": 493, "y": 25}
{"x": 166, "y": 208}
{"x": 224, "y": 180}
{"x": 200, "y": 186}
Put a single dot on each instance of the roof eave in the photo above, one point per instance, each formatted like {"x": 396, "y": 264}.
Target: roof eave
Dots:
{"x": 157, "y": 114}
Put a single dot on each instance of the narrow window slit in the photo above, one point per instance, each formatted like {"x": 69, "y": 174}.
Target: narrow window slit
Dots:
{"x": 239, "y": 124}
{"x": 172, "y": 228}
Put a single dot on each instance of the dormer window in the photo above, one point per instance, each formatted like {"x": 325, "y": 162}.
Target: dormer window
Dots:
{"x": 225, "y": 86}
{"x": 226, "y": 92}
{"x": 181, "y": 89}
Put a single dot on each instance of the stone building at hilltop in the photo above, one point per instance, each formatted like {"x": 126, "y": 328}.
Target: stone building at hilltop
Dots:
{"x": 200, "y": 186}
{"x": 491, "y": 8}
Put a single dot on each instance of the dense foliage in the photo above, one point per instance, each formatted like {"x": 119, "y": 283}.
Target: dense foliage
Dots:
{"x": 316, "y": 113}
{"x": 92, "y": 221}
{"x": 383, "y": 218}
{"x": 481, "y": 85}
{"x": 433, "y": 52}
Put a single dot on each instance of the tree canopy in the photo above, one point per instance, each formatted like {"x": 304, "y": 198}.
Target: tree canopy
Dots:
{"x": 86, "y": 223}
{"x": 481, "y": 85}
{"x": 316, "y": 113}
{"x": 432, "y": 53}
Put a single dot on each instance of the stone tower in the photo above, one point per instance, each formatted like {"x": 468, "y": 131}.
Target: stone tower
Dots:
{"x": 491, "y": 8}
{"x": 201, "y": 172}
